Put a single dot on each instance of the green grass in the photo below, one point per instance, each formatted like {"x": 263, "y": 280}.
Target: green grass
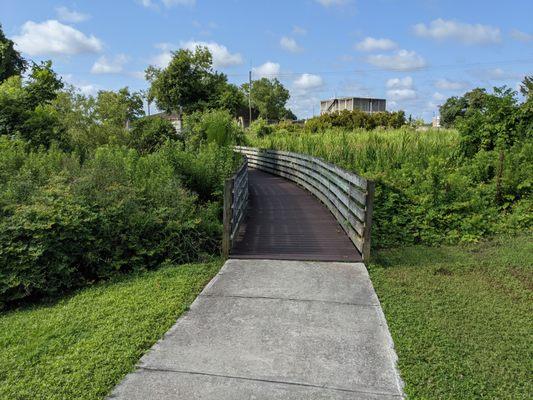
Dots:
{"x": 81, "y": 346}
{"x": 461, "y": 318}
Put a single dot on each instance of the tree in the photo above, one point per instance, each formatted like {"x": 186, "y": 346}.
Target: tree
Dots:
{"x": 526, "y": 88}
{"x": 11, "y": 62}
{"x": 43, "y": 84}
{"x": 189, "y": 82}
{"x": 456, "y": 107}
{"x": 150, "y": 133}
{"x": 270, "y": 98}
{"x": 119, "y": 108}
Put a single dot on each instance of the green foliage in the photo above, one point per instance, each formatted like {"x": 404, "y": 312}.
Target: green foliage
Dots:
{"x": 118, "y": 108}
{"x": 25, "y": 107}
{"x": 82, "y": 346}
{"x": 212, "y": 126}
{"x": 11, "y": 62}
{"x": 205, "y": 169}
{"x": 494, "y": 122}
{"x": 460, "y": 317}
{"x": 189, "y": 82}
{"x": 354, "y": 120}
{"x": 426, "y": 191}
{"x": 269, "y": 97}
{"x": 261, "y": 128}
{"x": 65, "y": 224}
{"x": 526, "y": 88}
{"x": 149, "y": 134}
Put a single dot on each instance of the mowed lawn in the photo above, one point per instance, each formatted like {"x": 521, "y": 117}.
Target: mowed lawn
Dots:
{"x": 81, "y": 346}
{"x": 461, "y": 318}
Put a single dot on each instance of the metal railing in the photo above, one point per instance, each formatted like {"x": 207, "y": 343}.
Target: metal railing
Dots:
{"x": 348, "y": 196}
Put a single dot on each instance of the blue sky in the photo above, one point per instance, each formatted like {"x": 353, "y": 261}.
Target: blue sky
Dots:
{"x": 413, "y": 53}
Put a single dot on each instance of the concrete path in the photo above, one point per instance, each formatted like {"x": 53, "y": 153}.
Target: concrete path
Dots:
{"x": 264, "y": 329}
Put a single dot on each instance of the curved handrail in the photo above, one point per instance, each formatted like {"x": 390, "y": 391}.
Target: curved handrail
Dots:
{"x": 348, "y": 196}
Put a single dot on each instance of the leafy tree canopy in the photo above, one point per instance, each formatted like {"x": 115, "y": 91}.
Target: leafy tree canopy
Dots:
{"x": 269, "y": 97}
{"x": 189, "y": 83}
{"x": 11, "y": 62}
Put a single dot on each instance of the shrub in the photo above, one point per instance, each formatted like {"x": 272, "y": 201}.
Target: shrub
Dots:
{"x": 261, "y": 128}
{"x": 214, "y": 126}
{"x": 65, "y": 224}
{"x": 149, "y": 134}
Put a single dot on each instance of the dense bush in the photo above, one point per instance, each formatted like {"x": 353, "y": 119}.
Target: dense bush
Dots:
{"x": 260, "y": 128}
{"x": 213, "y": 126}
{"x": 64, "y": 223}
{"x": 150, "y": 133}
{"x": 426, "y": 190}
{"x": 355, "y": 120}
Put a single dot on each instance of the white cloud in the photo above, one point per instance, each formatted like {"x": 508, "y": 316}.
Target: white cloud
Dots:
{"x": 401, "y": 60}
{"x": 441, "y": 29}
{"x": 446, "y": 84}
{"x": 170, "y": 3}
{"x": 54, "y": 38}
{"x": 373, "y": 44}
{"x": 162, "y": 59}
{"x": 267, "y": 70}
{"x": 167, "y": 3}
{"x": 105, "y": 65}
{"x": 221, "y": 55}
{"x": 401, "y": 89}
{"x": 399, "y": 83}
{"x": 289, "y": 44}
{"x": 329, "y": 3}
{"x": 308, "y": 82}
{"x": 401, "y": 94}
{"x": 64, "y": 14}
{"x": 499, "y": 74}
{"x": 521, "y": 36}
{"x": 438, "y": 96}
{"x": 298, "y": 30}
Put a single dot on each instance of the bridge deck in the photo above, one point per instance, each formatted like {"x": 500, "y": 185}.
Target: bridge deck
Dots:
{"x": 285, "y": 222}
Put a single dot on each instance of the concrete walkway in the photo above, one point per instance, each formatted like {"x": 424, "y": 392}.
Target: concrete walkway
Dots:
{"x": 266, "y": 329}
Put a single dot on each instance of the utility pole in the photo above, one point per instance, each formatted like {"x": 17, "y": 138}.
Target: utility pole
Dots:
{"x": 250, "y": 97}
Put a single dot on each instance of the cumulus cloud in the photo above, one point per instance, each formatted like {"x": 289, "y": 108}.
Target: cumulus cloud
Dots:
{"x": 106, "y": 65}
{"x": 373, "y": 44}
{"x": 329, "y": 3}
{"x": 64, "y": 14}
{"x": 401, "y": 89}
{"x": 499, "y": 74}
{"x": 289, "y": 44}
{"x": 441, "y": 29}
{"x": 267, "y": 70}
{"x": 401, "y": 60}
{"x": 222, "y": 57}
{"x": 521, "y": 36}
{"x": 446, "y": 84}
{"x": 401, "y": 94}
{"x": 396, "y": 83}
{"x": 308, "y": 82}
{"x": 54, "y": 38}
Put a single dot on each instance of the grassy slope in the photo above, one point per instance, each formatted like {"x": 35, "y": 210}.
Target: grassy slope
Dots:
{"x": 80, "y": 347}
{"x": 461, "y": 318}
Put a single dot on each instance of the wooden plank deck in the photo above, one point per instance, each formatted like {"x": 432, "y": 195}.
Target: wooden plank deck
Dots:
{"x": 285, "y": 222}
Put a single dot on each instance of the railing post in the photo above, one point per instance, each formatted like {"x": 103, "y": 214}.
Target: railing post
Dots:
{"x": 227, "y": 216}
{"x": 369, "y": 207}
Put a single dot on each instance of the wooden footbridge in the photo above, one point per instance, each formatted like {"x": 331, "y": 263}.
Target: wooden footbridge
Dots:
{"x": 288, "y": 206}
